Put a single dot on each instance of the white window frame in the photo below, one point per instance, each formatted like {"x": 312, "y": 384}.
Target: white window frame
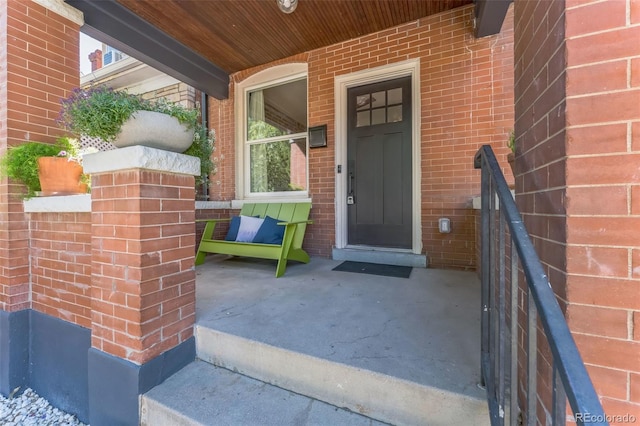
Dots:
{"x": 270, "y": 77}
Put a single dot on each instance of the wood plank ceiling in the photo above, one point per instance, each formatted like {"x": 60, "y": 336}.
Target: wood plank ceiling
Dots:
{"x": 240, "y": 34}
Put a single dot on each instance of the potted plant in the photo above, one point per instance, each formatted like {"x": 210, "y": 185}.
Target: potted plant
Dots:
{"x": 63, "y": 174}
{"x": 125, "y": 119}
{"x": 21, "y": 163}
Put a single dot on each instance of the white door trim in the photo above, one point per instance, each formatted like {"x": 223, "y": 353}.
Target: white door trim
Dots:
{"x": 341, "y": 85}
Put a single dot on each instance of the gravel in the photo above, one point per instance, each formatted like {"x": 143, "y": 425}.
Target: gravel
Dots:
{"x": 29, "y": 409}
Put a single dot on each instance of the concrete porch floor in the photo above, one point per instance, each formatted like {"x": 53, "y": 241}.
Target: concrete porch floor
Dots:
{"x": 424, "y": 329}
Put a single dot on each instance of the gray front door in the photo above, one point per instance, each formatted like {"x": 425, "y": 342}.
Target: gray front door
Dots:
{"x": 379, "y": 164}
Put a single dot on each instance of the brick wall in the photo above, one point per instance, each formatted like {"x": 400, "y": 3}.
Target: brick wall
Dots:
{"x": 540, "y": 143}
{"x": 577, "y": 121}
{"x": 35, "y": 72}
{"x": 142, "y": 262}
{"x": 467, "y": 101}
{"x": 180, "y": 93}
{"x": 603, "y": 195}
{"x": 60, "y": 253}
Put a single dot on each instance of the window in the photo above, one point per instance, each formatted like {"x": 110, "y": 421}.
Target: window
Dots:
{"x": 274, "y": 138}
{"x": 379, "y": 107}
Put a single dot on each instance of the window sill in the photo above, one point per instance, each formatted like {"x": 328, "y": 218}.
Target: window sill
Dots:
{"x": 237, "y": 204}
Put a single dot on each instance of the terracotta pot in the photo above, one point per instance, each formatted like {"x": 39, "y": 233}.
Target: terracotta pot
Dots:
{"x": 59, "y": 176}
{"x": 155, "y": 130}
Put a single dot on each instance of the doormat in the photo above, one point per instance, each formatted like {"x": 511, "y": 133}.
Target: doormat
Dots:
{"x": 375, "y": 269}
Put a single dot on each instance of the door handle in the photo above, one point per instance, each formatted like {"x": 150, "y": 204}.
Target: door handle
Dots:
{"x": 350, "y": 198}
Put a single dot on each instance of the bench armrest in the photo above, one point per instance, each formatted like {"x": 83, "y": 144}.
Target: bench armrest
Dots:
{"x": 308, "y": 222}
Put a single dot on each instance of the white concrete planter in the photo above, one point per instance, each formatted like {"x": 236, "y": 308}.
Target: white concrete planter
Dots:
{"x": 155, "y": 130}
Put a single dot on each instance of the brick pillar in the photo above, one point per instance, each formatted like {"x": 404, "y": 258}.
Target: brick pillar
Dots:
{"x": 34, "y": 74}
{"x": 603, "y": 196}
{"x": 577, "y": 91}
{"x": 143, "y": 277}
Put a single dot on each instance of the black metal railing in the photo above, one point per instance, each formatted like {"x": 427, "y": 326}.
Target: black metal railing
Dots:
{"x": 500, "y": 323}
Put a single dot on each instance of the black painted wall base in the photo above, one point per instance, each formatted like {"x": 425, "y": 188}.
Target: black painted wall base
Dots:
{"x": 115, "y": 384}
{"x": 48, "y": 355}
{"x": 55, "y": 359}
{"x": 14, "y": 351}
{"x": 58, "y": 363}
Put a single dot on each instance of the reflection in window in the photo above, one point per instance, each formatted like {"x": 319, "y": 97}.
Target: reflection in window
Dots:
{"x": 279, "y": 166}
{"x": 276, "y": 138}
{"x": 379, "y": 107}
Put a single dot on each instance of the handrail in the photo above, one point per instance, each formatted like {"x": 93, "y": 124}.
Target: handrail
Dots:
{"x": 498, "y": 206}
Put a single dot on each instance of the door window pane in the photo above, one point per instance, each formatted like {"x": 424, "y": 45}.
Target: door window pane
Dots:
{"x": 394, "y": 114}
{"x": 363, "y": 102}
{"x": 378, "y": 116}
{"x": 394, "y": 96}
{"x": 379, "y": 107}
{"x": 363, "y": 119}
{"x": 378, "y": 99}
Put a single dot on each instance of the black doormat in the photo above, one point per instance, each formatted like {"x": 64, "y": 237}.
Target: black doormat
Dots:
{"x": 374, "y": 269}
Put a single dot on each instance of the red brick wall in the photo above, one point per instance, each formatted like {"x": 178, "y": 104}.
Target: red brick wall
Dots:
{"x": 143, "y": 281}
{"x": 603, "y": 195}
{"x": 540, "y": 140}
{"x": 36, "y": 70}
{"x": 60, "y": 253}
{"x": 467, "y": 101}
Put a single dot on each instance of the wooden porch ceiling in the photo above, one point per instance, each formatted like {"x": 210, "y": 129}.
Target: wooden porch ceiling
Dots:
{"x": 202, "y": 42}
{"x": 240, "y": 34}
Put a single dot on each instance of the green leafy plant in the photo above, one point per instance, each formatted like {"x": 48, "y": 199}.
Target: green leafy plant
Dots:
{"x": 21, "y": 162}
{"x": 202, "y": 147}
{"x": 100, "y": 111}
{"x": 511, "y": 142}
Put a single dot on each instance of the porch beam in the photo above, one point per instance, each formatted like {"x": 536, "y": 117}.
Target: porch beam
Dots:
{"x": 490, "y": 16}
{"x": 117, "y": 26}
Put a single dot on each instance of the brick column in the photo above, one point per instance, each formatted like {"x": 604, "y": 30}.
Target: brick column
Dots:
{"x": 143, "y": 279}
{"x": 577, "y": 91}
{"x": 35, "y": 72}
{"x": 603, "y": 197}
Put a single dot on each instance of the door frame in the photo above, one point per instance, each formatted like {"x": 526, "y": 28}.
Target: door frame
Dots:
{"x": 341, "y": 85}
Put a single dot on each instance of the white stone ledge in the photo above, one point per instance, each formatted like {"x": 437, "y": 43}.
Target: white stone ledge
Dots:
{"x": 210, "y": 205}
{"x": 63, "y": 9}
{"x": 141, "y": 157}
{"x": 59, "y": 204}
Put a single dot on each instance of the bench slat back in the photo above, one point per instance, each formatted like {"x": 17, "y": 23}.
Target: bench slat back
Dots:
{"x": 286, "y": 212}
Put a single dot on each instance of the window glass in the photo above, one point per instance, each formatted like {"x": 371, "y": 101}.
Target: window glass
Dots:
{"x": 378, "y": 116}
{"x": 378, "y": 99}
{"x": 363, "y": 119}
{"x": 276, "y": 138}
{"x": 379, "y": 108}
{"x": 279, "y": 166}
{"x": 395, "y": 96}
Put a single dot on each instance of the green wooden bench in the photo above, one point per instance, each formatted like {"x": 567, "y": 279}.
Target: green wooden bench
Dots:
{"x": 293, "y": 216}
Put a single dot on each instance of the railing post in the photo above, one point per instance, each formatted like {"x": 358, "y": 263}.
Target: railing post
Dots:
{"x": 570, "y": 378}
{"x": 486, "y": 262}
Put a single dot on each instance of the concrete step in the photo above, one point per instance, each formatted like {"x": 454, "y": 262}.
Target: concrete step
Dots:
{"x": 379, "y": 396}
{"x": 202, "y": 394}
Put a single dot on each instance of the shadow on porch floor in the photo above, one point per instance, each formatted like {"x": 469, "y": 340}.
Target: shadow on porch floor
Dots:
{"x": 424, "y": 329}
